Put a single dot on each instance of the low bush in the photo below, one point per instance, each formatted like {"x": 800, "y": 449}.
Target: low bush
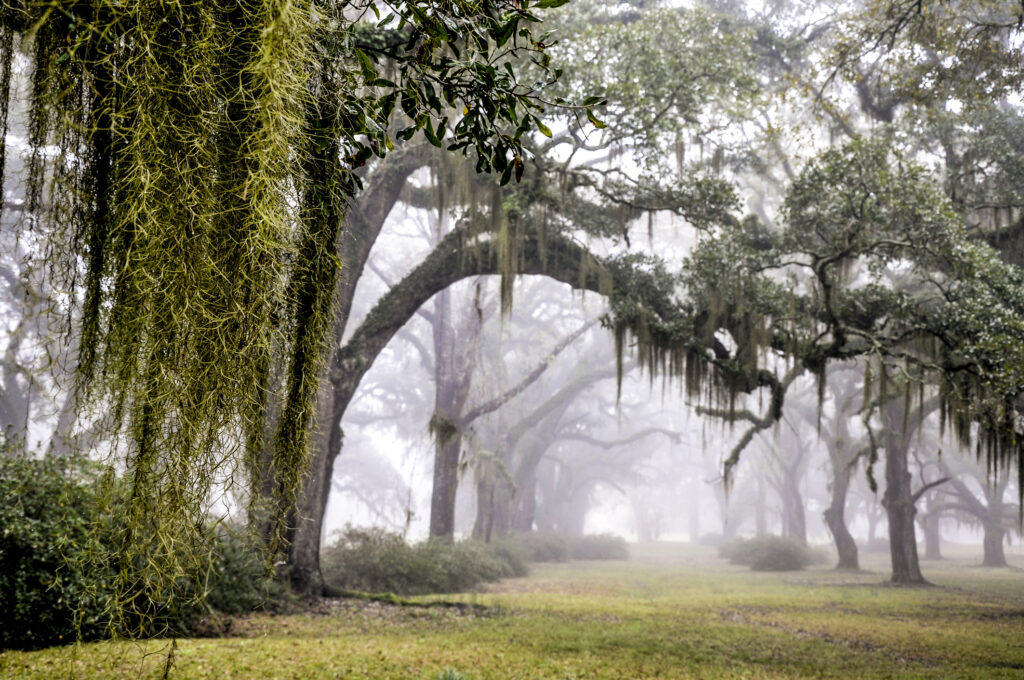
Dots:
{"x": 599, "y": 547}
{"x": 47, "y": 509}
{"x": 58, "y": 559}
{"x": 767, "y": 553}
{"x": 377, "y": 561}
{"x": 239, "y": 583}
{"x": 540, "y": 546}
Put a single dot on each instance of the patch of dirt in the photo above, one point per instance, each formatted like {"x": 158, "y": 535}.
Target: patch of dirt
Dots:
{"x": 346, "y": 607}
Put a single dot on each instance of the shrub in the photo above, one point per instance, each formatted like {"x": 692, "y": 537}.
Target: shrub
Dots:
{"x": 540, "y": 546}
{"x": 599, "y": 547}
{"x": 58, "y": 560}
{"x": 238, "y": 577}
{"x": 47, "y": 508}
{"x": 767, "y": 553}
{"x": 376, "y": 560}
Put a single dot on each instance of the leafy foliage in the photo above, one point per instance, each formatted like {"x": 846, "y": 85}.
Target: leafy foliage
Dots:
{"x": 768, "y": 553}
{"x": 57, "y": 524}
{"x": 598, "y": 547}
{"x": 871, "y": 261}
{"x": 540, "y": 546}
{"x": 378, "y": 561}
{"x": 47, "y": 510}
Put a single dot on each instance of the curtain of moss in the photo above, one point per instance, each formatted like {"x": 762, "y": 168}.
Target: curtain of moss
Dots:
{"x": 182, "y": 130}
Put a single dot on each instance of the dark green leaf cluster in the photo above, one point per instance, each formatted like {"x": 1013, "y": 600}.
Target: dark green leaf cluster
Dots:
{"x": 61, "y": 522}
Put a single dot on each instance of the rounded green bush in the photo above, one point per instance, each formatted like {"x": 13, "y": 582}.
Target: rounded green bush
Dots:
{"x": 767, "y": 553}
{"x": 378, "y": 561}
{"x": 59, "y": 523}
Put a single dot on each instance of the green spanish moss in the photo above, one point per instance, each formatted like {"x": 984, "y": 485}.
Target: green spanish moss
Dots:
{"x": 193, "y": 207}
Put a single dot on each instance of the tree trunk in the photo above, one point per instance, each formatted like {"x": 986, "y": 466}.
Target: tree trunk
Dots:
{"x": 932, "y": 536}
{"x": 364, "y": 222}
{"x": 835, "y": 519}
{"x": 995, "y": 556}
{"x": 451, "y": 375}
{"x": 307, "y": 527}
{"x": 446, "y": 481}
{"x": 898, "y": 499}
{"x": 525, "y": 504}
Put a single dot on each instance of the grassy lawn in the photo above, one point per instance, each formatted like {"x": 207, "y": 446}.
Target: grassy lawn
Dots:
{"x": 670, "y": 612}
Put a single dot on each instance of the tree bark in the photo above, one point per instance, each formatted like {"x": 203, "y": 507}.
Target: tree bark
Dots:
{"x": 995, "y": 556}
{"x": 364, "y": 222}
{"x": 835, "y": 519}
{"x": 445, "y": 486}
{"x": 898, "y": 499}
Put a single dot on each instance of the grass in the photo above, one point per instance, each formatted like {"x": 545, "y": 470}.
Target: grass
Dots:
{"x": 670, "y": 612}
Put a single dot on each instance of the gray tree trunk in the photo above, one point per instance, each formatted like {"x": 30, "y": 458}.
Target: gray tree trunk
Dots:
{"x": 835, "y": 519}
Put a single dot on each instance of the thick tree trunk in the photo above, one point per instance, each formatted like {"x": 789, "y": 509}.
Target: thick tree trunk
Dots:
{"x": 898, "y": 500}
{"x": 446, "y": 481}
{"x": 447, "y": 440}
{"x": 525, "y": 504}
{"x": 995, "y": 556}
{"x": 364, "y": 222}
{"x": 835, "y": 519}
{"x": 307, "y": 530}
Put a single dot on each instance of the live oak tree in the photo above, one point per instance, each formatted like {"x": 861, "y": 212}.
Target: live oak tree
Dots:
{"x": 530, "y": 228}
{"x": 205, "y": 154}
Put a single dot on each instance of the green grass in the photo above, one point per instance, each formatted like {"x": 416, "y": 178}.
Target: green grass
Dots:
{"x": 670, "y": 612}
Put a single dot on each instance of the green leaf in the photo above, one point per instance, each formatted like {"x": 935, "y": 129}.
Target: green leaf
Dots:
{"x": 503, "y": 33}
{"x": 600, "y": 125}
{"x": 369, "y": 72}
{"x": 544, "y": 129}
{"x": 431, "y": 136}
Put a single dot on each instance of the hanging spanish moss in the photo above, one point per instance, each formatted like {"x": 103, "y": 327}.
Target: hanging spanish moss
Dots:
{"x": 183, "y": 129}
